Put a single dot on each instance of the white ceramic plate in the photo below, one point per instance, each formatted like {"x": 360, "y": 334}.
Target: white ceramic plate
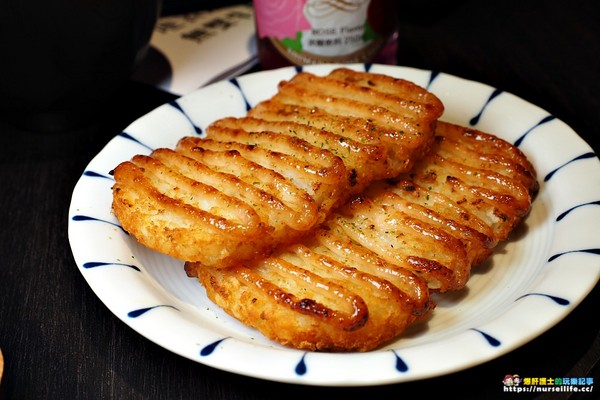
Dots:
{"x": 529, "y": 285}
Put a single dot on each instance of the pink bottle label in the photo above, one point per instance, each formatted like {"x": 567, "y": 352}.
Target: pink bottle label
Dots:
{"x": 308, "y": 31}
{"x": 280, "y": 18}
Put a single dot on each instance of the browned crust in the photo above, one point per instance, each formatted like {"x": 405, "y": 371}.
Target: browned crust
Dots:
{"x": 366, "y": 275}
{"x": 261, "y": 180}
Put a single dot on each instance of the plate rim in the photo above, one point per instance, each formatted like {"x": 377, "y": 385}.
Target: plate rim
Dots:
{"x": 322, "y": 361}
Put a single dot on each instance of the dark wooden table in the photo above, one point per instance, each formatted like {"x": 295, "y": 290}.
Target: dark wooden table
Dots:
{"x": 59, "y": 340}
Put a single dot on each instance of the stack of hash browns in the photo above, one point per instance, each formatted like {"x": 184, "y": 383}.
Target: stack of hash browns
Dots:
{"x": 327, "y": 216}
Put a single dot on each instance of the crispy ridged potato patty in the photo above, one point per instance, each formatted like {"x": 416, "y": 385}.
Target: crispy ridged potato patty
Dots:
{"x": 271, "y": 177}
{"x": 367, "y": 273}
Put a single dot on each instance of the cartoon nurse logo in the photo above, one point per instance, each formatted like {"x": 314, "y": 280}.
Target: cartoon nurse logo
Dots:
{"x": 511, "y": 380}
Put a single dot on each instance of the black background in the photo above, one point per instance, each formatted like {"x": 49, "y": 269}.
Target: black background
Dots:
{"x": 60, "y": 341}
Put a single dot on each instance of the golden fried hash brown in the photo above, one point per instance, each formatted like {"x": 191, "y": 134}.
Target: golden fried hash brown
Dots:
{"x": 368, "y": 271}
{"x": 274, "y": 175}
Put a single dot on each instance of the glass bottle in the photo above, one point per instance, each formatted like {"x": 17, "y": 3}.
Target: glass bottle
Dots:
{"x": 299, "y": 32}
